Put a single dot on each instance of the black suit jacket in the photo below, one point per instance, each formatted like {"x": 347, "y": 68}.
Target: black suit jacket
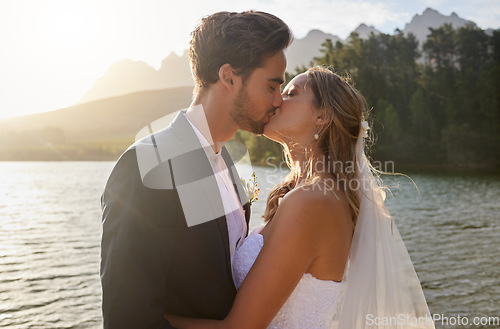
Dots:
{"x": 152, "y": 262}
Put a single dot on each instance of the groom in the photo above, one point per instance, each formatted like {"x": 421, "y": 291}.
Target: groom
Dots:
{"x": 174, "y": 209}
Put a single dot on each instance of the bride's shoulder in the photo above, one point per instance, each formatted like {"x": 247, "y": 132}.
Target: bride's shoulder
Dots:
{"x": 311, "y": 218}
{"x": 316, "y": 194}
{"x": 317, "y": 202}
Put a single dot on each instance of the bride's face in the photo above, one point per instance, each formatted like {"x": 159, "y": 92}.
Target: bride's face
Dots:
{"x": 295, "y": 120}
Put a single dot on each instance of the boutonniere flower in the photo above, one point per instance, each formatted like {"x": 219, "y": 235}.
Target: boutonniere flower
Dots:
{"x": 251, "y": 188}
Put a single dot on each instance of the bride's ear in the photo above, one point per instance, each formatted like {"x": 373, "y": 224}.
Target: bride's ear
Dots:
{"x": 323, "y": 117}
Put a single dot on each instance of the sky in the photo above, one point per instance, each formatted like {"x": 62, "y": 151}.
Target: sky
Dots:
{"x": 52, "y": 51}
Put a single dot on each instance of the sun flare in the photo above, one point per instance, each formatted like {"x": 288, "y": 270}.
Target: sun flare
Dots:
{"x": 68, "y": 24}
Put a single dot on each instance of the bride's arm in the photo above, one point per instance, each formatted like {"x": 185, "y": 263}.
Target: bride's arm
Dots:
{"x": 304, "y": 222}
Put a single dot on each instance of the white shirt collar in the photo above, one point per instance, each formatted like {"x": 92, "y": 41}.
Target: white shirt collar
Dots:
{"x": 209, "y": 150}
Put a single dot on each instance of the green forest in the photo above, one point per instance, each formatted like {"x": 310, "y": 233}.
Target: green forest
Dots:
{"x": 437, "y": 104}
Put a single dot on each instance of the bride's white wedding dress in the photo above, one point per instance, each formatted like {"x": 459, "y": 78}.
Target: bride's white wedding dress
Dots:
{"x": 310, "y": 306}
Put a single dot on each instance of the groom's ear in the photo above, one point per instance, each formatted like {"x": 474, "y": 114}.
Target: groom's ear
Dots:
{"x": 227, "y": 76}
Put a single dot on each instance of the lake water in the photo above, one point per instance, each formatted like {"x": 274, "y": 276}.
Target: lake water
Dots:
{"x": 50, "y": 233}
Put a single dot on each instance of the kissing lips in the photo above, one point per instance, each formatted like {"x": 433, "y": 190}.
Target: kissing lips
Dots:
{"x": 270, "y": 115}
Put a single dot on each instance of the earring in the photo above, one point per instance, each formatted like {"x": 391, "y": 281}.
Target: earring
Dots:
{"x": 316, "y": 136}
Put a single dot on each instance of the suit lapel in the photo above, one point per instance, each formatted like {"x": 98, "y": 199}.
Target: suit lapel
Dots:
{"x": 189, "y": 141}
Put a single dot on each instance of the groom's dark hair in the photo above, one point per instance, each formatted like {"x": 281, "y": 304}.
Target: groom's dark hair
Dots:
{"x": 243, "y": 40}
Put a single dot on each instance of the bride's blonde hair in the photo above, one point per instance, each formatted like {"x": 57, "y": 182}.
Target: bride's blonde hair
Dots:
{"x": 345, "y": 108}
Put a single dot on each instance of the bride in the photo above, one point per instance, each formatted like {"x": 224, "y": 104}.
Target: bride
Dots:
{"x": 328, "y": 254}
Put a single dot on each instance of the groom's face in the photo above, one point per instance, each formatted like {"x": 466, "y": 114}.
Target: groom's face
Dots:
{"x": 260, "y": 95}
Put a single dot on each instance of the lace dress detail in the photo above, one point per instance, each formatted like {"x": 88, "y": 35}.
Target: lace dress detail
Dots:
{"x": 310, "y": 306}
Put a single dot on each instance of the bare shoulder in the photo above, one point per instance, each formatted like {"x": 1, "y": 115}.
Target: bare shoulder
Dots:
{"x": 316, "y": 198}
{"x": 314, "y": 209}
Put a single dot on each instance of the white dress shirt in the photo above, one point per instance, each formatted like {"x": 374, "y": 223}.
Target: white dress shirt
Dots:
{"x": 235, "y": 215}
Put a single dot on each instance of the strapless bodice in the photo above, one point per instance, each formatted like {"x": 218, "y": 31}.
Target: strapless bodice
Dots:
{"x": 311, "y": 305}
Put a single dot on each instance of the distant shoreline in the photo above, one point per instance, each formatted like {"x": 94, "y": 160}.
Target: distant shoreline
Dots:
{"x": 399, "y": 168}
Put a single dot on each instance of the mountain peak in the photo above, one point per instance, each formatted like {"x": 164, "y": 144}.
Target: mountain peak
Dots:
{"x": 172, "y": 55}
{"x": 302, "y": 51}
{"x": 364, "y": 31}
{"x": 431, "y": 18}
{"x": 314, "y": 33}
{"x": 429, "y": 11}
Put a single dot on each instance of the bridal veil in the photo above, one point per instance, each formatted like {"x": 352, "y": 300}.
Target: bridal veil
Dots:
{"x": 382, "y": 289}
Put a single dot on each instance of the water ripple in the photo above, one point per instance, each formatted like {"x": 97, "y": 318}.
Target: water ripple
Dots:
{"x": 51, "y": 228}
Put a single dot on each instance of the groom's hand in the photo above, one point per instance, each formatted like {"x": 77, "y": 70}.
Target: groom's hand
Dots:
{"x": 181, "y": 322}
